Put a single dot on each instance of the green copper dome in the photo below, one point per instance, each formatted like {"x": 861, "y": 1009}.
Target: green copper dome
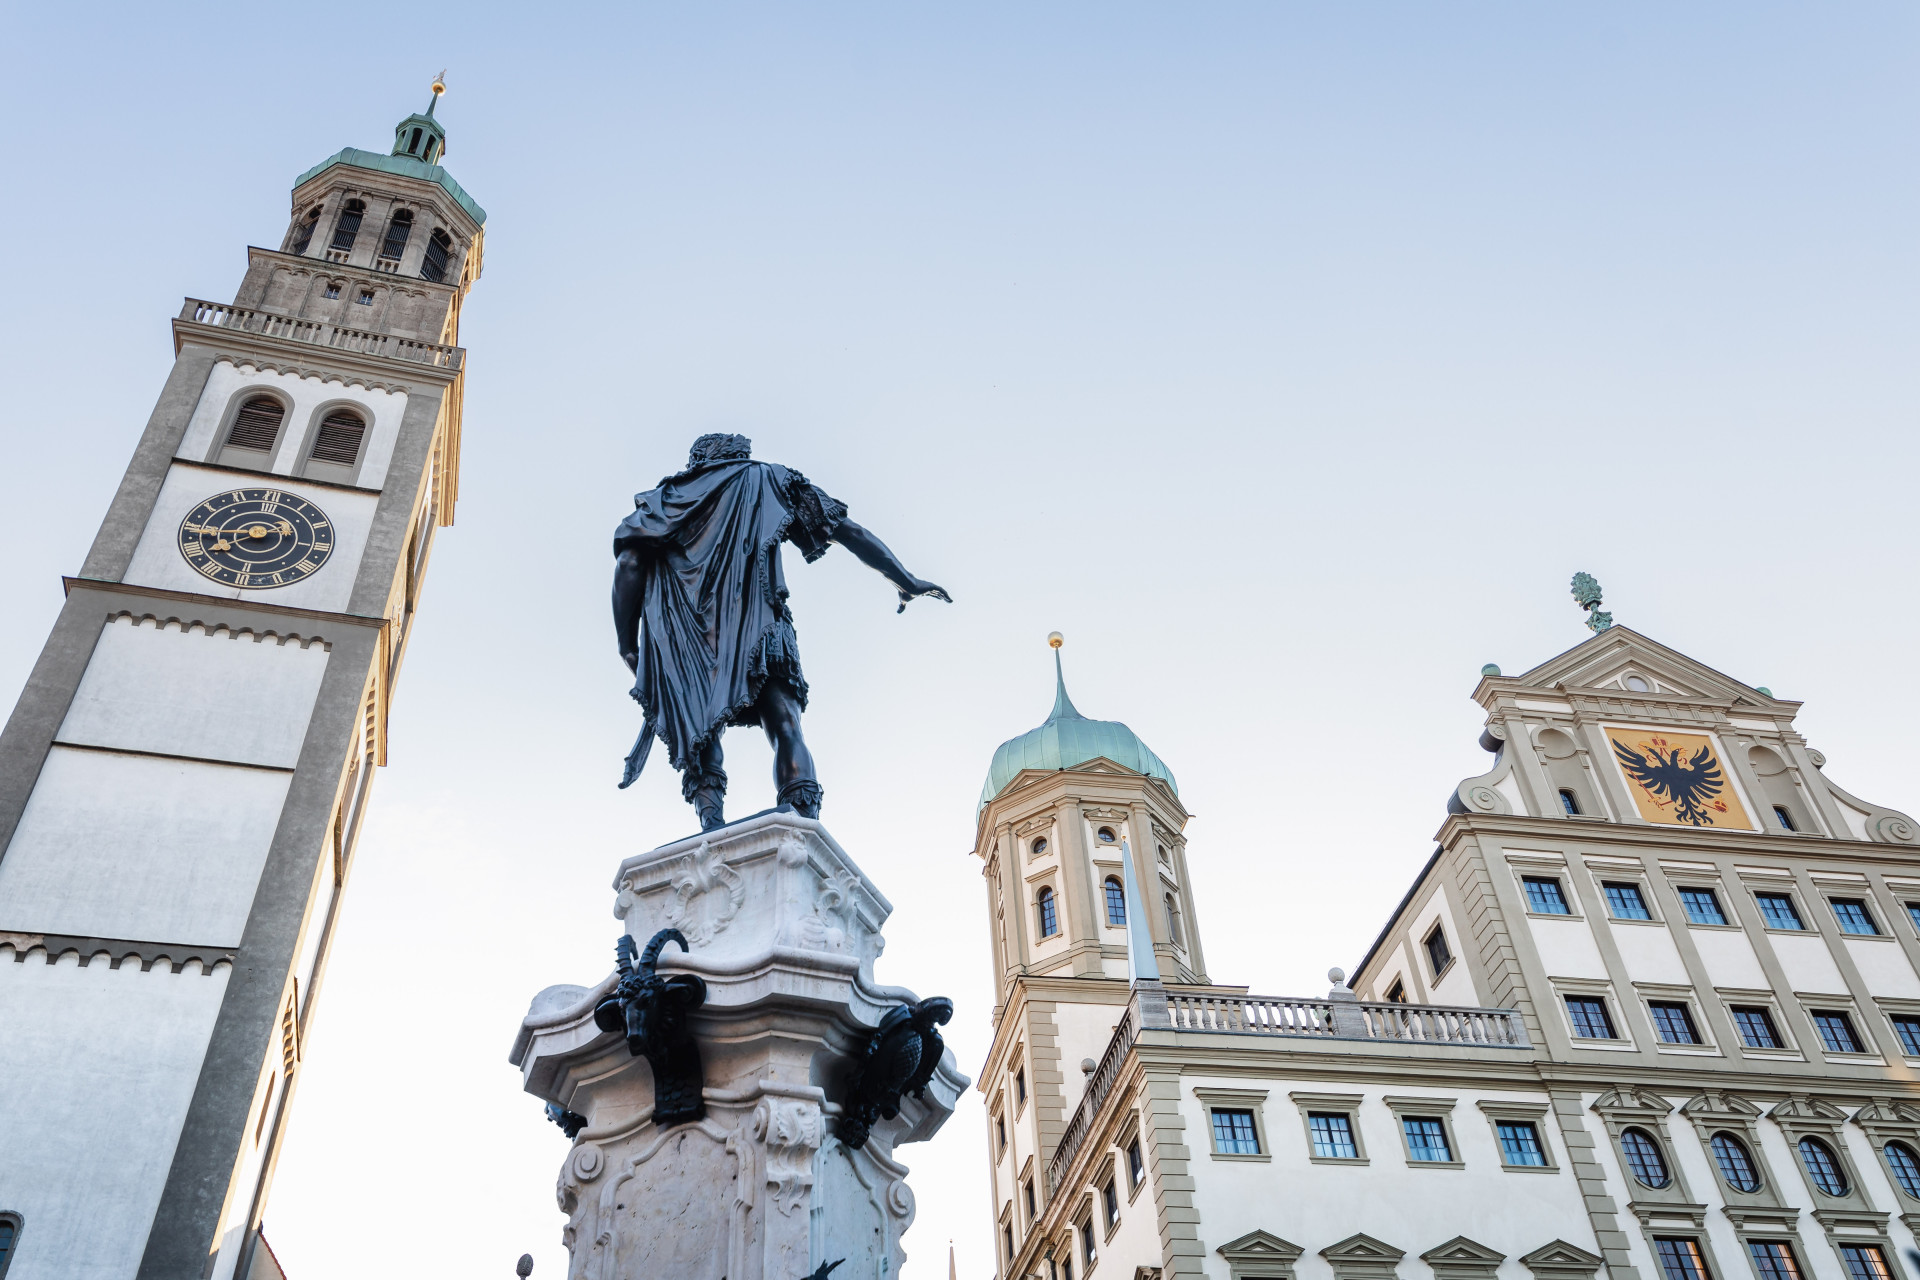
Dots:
{"x": 1068, "y": 739}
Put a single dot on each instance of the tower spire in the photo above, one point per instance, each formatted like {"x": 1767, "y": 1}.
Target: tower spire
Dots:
{"x": 1063, "y": 708}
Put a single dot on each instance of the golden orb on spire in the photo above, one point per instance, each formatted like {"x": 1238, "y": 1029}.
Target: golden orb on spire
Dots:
{"x": 1055, "y": 639}
{"x": 440, "y": 83}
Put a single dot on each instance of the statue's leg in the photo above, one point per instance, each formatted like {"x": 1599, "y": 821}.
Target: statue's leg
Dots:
{"x": 792, "y": 763}
{"x": 704, "y": 786}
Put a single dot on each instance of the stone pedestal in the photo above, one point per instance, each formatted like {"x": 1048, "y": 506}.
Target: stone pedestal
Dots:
{"x": 784, "y": 928}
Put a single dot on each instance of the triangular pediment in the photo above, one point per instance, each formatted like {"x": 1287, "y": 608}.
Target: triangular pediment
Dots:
{"x": 1259, "y": 1246}
{"x": 1615, "y": 657}
{"x": 1801, "y": 1107}
{"x": 1361, "y": 1247}
{"x": 1718, "y": 1104}
{"x": 1558, "y": 1260}
{"x": 1630, "y": 1101}
{"x": 1462, "y": 1250}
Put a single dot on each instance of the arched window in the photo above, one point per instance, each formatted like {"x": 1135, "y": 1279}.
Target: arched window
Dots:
{"x": 1049, "y": 917}
{"x": 347, "y": 230}
{"x": 413, "y": 143}
{"x": 338, "y": 439}
{"x": 397, "y": 232}
{"x": 1905, "y": 1166}
{"x": 439, "y": 248}
{"x": 303, "y": 234}
{"x": 1116, "y": 902}
{"x": 1173, "y": 922}
{"x": 1736, "y": 1165}
{"x": 257, "y": 425}
{"x": 9, "y": 1237}
{"x": 1571, "y": 805}
{"x": 1644, "y": 1158}
{"x": 1784, "y": 818}
{"x": 1823, "y": 1167}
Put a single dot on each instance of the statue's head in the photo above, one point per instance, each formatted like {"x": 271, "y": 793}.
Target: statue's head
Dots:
{"x": 719, "y": 446}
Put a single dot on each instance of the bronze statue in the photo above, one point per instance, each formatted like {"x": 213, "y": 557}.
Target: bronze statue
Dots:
{"x": 699, "y": 562}
{"x": 900, "y": 1059}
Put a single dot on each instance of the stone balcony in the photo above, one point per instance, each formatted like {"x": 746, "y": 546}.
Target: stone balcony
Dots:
{"x": 210, "y": 319}
{"x": 1339, "y": 1017}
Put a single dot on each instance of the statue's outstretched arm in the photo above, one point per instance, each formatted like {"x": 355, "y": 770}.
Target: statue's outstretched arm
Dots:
{"x": 628, "y": 580}
{"x": 873, "y": 553}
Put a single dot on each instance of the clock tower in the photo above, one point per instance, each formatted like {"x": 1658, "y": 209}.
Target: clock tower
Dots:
{"x": 185, "y": 774}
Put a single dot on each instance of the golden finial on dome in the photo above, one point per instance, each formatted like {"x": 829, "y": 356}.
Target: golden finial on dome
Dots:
{"x": 1055, "y": 639}
{"x": 440, "y": 83}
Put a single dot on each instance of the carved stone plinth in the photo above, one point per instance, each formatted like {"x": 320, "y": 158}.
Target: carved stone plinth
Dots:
{"x": 784, "y": 928}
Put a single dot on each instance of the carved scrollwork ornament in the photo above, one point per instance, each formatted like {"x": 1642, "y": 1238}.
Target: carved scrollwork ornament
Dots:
{"x": 1896, "y": 828}
{"x": 900, "y": 1198}
{"x": 1484, "y": 799}
{"x": 703, "y": 877}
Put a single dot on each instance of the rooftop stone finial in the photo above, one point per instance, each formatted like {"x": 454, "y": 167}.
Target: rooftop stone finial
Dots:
{"x": 1586, "y": 593}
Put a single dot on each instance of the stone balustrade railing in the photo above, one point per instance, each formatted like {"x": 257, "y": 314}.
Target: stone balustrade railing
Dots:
{"x": 1339, "y": 1016}
{"x": 319, "y": 333}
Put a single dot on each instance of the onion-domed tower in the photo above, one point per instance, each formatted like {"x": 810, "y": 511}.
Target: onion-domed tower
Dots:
{"x": 1059, "y": 803}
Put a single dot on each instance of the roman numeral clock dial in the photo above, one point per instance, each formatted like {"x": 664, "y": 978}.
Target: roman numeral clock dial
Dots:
{"x": 256, "y": 538}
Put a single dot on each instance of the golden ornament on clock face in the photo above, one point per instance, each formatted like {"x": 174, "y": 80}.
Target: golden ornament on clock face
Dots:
{"x": 256, "y": 538}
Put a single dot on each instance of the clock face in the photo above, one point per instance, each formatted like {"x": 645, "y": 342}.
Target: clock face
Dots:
{"x": 256, "y": 538}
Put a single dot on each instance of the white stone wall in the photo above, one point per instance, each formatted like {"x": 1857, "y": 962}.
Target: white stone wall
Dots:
{"x": 184, "y": 691}
{"x": 1410, "y": 1207}
{"x": 229, "y": 384}
{"x": 99, "y": 1067}
{"x": 125, "y": 846}
{"x": 157, "y": 561}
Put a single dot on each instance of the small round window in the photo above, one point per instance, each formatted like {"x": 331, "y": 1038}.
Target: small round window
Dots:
{"x": 1039, "y": 846}
{"x": 1822, "y": 1166}
{"x": 1638, "y": 684}
{"x": 1106, "y": 835}
{"x": 1644, "y": 1158}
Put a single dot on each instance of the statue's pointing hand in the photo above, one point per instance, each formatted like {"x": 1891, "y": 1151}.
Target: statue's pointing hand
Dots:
{"x": 921, "y": 587}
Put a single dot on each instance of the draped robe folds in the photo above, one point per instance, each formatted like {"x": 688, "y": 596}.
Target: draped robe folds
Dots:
{"x": 714, "y": 605}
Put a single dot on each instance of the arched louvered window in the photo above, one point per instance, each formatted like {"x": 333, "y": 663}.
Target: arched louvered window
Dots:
{"x": 1116, "y": 902}
{"x": 257, "y": 425}
{"x": 1173, "y": 922}
{"x": 397, "y": 231}
{"x": 303, "y": 234}
{"x": 347, "y": 230}
{"x": 1049, "y": 914}
{"x": 413, "y": 143}
{"x": 439, "y": 250}
{"x": 338, "y": 440}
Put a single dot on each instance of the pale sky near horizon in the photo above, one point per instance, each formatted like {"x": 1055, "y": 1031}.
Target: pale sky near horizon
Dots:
{"x": 1289, "y": 358}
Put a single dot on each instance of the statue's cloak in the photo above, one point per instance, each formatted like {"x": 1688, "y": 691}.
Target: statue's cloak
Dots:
{"x": 714, "y": 605}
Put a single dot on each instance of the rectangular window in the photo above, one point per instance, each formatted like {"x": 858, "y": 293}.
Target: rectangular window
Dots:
{"x": 1913, "y": 913}
{"x": 366, "y": 298}
{"x": 1233, "y": 1133}
{"x": 1544, "y": 896}
{"x": 333, "y": 291}
{"x": 1397, "y": 993}
{"x": 1020, "y": 1085}
{"x": 1136, "y": 1167}
{"x": 1437, "y": 954}
{"x": 1520, "y": 1143}
{"x": 1066, "y": 1265}
{"x": 1332, "y": 1136}
{"x": 1836, "y": 1031}
{"x": 1426, "y": 1139}
{"x": 1000, "y": 1128}
{"x": 1774, "y": 1259}
{"x": 1088, "y": 1254}
{"x": 1111, "y": 1200}
{"x": 1908, "y": 1029}
{"x": 1779, "y": 911}
{"x": 1672, "y": 1023}
{"x": 1853, "y": 916}
{"x": 1865, "y": 1262}
{"x": 1006, "y": 1229}
{"x": 1680, "y": 1259}
{"x": 1703, "y": 906}
{"x": 1626, "y": 902}
{"x": 1590, "y": 1020}
{"x": 1756, "y": 1027}
{"x": 1033, "y": 1210}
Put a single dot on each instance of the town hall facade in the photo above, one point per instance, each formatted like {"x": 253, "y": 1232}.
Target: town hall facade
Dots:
{"x": 1651, "y": 1010}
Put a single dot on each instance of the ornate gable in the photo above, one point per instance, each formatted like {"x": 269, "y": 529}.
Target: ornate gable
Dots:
{"x": 1260, "y": 1255}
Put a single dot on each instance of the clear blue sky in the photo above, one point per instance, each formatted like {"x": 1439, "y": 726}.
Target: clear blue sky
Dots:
{"x": 1287, "y": 357}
